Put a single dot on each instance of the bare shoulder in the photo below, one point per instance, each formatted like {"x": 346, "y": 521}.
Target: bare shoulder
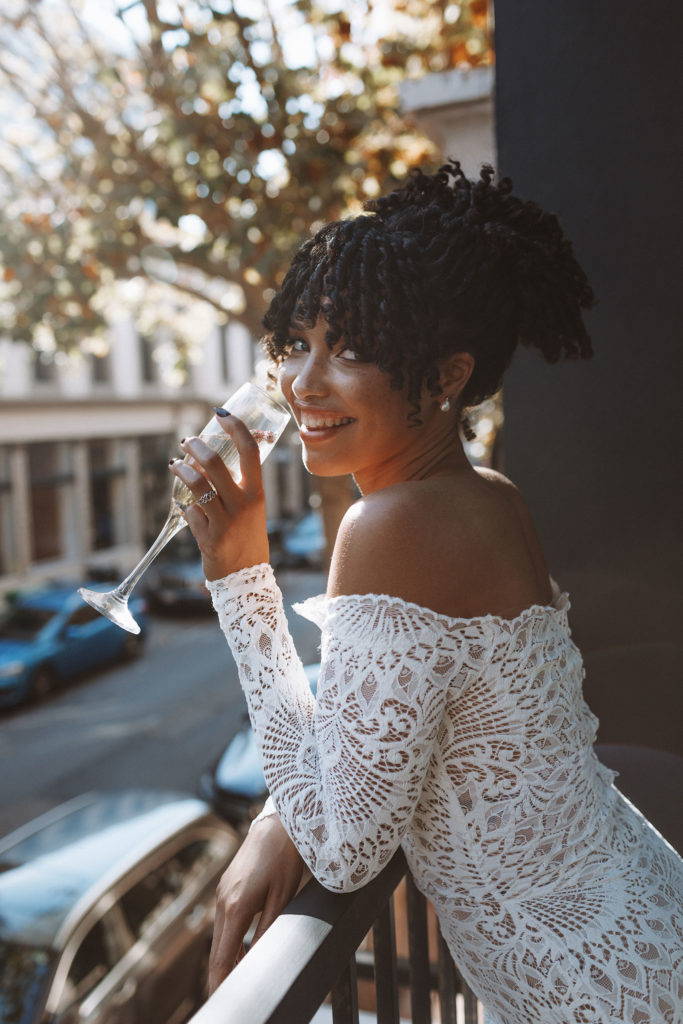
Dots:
{"x": 461, "y": 546}
{"x": 389, "y": 542}
{"x": 498, "y": 480}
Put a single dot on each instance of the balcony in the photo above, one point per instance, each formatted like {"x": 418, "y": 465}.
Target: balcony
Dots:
{"x": 375, "y": 954}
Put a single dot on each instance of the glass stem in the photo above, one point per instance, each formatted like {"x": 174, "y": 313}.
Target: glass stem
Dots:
{"x": 173, "y": 525}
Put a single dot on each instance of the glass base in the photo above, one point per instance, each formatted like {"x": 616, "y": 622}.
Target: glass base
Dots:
{"x": 115, "y": 608}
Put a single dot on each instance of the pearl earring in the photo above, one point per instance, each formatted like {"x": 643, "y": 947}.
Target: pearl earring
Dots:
{"x": 445, "y": 405}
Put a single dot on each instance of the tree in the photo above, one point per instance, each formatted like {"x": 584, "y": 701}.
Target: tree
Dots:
{"x": 198, "y": 146}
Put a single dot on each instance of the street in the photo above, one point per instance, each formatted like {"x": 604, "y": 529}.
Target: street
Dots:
{"x": 155, "y": 722}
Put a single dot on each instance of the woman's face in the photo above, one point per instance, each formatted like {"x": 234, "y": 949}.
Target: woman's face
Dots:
{"x": 378, "y": 447}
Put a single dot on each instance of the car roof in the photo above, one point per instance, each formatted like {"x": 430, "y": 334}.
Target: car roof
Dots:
{"x": 56, "y": 596}
{"x": 54, "y": 862}
{"x": 51, "y": 600}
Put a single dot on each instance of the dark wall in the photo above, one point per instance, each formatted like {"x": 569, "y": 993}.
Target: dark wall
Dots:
{"x": 588, "y": 98}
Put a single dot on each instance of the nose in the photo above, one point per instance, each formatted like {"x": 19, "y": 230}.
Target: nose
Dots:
{"x": 309, "y": 379}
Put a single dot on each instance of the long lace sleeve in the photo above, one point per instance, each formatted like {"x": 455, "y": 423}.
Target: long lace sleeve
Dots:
{"x": 344, "y": 769}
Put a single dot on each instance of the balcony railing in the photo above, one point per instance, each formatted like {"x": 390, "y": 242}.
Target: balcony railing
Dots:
{"x": 310, "y": 963}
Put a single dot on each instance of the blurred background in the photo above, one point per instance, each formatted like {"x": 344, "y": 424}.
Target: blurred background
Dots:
{"x": 160, "y": 164}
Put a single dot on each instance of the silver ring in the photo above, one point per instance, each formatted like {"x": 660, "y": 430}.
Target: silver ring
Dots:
{"x": 206, "y": 498}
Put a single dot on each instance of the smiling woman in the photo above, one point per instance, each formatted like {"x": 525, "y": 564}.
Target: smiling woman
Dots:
{"x": 449, "y": 717}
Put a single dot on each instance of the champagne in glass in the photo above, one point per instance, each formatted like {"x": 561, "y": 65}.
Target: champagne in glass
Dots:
{"x": 266, "y": 419}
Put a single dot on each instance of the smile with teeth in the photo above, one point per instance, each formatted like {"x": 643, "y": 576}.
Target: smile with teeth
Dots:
{"x": 318, "y": 424}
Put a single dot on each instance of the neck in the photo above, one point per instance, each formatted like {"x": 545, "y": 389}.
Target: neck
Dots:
{"x": 444, "y": 455}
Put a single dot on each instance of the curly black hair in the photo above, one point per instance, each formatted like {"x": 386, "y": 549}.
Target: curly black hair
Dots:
{"x": 437, "y": 269}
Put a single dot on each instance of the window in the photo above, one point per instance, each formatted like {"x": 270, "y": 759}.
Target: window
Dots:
{"x": 101, "y": 368}
{"x": 146, "y": 901}
{"x": 156, "y": 481}
{"x": 24, "y": 971}
{"x": 24, "y": 622}
{"x": 223, "y": 348}
{"x": 47, "y": 478}
{"x": 192, "y": 861}
{"x": 147, "y": 364}
{"x": 44, "y": 367}
{"x": 82, "y": 616}
{"x": 93, "y": 960}
{"x": 5, "y": 512}
{"x": 104, "y": 476}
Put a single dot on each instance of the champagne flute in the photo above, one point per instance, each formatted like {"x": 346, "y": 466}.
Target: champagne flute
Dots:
{"x": 266, "y": 419}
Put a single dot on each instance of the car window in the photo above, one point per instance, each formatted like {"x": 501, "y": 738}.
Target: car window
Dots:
{"x": 93, "y": 959}
{"x": 144, "y": 903}
{"x": 24, "y": 622}
{"x": 24, "y": 974}
{"x": 192, "y": 860}
{"x": 82, "y": 615}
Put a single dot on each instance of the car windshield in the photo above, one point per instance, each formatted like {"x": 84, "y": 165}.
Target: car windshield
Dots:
{"x": 24, "y": 973}
{"x": 24, "y": 623}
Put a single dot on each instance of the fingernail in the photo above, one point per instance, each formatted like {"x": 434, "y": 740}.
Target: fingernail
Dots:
{"x": 183, "y": 440}
{"x": 219, "y": 411}
{"x": 171, "y": 461}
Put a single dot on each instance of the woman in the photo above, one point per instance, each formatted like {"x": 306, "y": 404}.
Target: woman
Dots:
{"x": 449, "y": 716}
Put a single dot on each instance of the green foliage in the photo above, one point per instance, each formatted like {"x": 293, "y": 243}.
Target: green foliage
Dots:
{"x": 196, "y": 148}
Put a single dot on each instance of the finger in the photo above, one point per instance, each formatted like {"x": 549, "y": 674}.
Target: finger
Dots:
{"x": 224, "y": 953}
{"x": 197, "y": 521}
{"x": 218, "y": 922}
{"x": 249, "y": 452}
{"x": 271, "y": 910}
{"x": 198, "y": 485}
{"x": 210, "y": 463}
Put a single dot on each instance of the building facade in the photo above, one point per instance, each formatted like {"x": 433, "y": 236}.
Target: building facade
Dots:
{"x": 84, "y": 448}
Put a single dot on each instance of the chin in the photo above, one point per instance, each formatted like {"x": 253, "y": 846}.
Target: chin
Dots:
{"x": 324, "y": 467}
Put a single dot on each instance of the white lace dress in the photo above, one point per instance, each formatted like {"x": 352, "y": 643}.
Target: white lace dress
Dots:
{"x": 467, "y": 742}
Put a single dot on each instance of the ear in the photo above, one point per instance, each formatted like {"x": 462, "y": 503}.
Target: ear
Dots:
{"x": 454, "y": 372}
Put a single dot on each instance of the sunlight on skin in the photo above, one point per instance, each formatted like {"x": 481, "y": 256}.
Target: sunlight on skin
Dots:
{"x": 380, "y": 448}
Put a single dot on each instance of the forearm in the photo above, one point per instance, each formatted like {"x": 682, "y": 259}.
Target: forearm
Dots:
{"x": 345, "y": 771}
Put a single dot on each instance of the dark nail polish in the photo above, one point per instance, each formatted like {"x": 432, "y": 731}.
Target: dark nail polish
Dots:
{"x": 171, "y": 461}
{"x": 183, "y": 440}
{"x": 220, "y": 412}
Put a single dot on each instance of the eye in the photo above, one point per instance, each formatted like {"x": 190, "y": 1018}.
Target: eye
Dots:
{"x": 289, "y": 347}
{"x": 355, "y": 355}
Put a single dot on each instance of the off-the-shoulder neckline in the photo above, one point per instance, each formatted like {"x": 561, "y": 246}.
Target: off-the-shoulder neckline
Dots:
{"x": 560, "y": 605}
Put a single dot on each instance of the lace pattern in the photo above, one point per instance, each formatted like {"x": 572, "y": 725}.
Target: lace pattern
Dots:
{"x": 468, "y": 742}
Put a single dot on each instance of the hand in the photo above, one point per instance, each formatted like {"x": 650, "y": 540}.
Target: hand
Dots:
{"x": 263, "y": 876}
{"x": 231, "y": 528}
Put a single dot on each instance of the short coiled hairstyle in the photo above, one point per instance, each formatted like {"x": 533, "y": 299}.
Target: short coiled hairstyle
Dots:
{"x": 433, "y": 268}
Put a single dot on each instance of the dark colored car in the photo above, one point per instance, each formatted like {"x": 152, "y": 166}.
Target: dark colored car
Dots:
{"x": 177, "y": 581}
{"x": 107, "y": 906}
{"x": 178, "y": 584}
{"x": 49, "y": 636}
{"x": 234, "y": 784}
{"x": 303, "y": 544}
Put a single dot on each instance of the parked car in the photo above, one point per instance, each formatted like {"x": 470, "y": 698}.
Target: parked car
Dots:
{"x": 50, "y": 635}
{"x": 303, "y": 544}
{"x": 177, "y": 580}
{"x": 233, "y": 784}
{"x": 178, "y": 584}
{"x": 107, "y": 909}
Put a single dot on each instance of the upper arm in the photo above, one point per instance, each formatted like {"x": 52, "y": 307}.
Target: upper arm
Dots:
{"x": 384, "y": 545}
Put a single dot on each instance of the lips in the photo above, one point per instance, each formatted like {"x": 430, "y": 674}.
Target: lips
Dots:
{"x": 321, "y": 433}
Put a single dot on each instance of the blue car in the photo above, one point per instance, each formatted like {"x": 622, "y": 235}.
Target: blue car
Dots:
{"x": 233, "y": 785}
{"x": 303, "y": 545}
{"x": 50, "y": 636}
